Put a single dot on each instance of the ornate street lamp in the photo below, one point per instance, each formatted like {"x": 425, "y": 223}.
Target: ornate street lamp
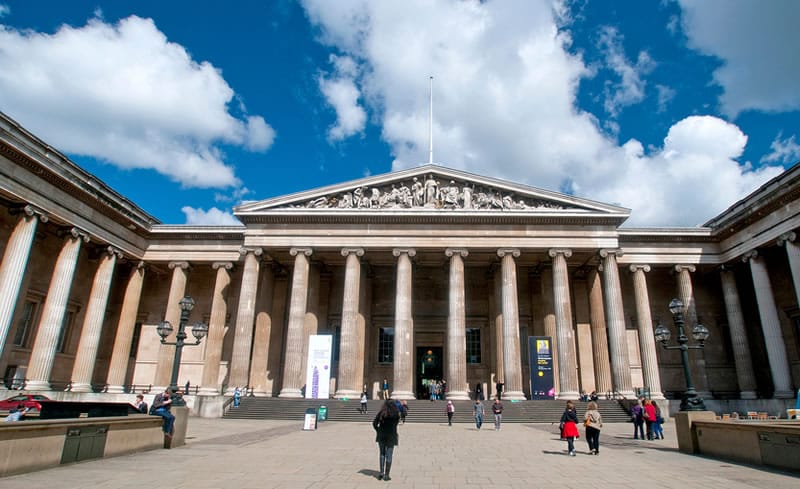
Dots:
{"x": 199, "y": 331}
{"x": 690, "y": 401}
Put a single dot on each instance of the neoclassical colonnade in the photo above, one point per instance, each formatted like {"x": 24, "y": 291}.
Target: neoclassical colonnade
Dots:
{"x": 610, "y": 362}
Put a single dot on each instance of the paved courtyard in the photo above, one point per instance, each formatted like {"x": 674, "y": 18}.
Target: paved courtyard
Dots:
{"x": 245, "y": 454}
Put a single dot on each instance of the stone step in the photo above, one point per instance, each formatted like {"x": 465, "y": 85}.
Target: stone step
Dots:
{"x": 419, "y": 411}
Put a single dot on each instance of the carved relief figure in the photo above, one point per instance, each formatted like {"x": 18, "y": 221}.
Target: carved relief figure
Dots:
{"x": 417, "y": 193}
{"x": 431, "y": 191}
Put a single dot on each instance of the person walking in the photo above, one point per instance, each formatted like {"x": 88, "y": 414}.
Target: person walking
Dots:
{"x": 450, "y": 410}
{"x": 569, "y": 427}
{"x": 477, "y": 411}
{"x": 237, "y": 397}
{"x": 637, "y": 415}
{"x": 385, "y": 426}
{"x": 649, "y": 415}
{"x": 497, "y": 409}
{"x": 364, "y": 402}
{"x": 593, "y": 421}
{"x": 403, "y": 411}
{"x": 658, "y": 429}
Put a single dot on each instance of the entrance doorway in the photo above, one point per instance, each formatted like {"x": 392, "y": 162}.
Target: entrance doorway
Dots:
{"x": 429, "y": 369}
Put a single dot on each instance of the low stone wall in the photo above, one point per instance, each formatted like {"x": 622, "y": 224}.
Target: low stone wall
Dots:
{"x": 30, "y": 445}
{"x": 776, "y": 444}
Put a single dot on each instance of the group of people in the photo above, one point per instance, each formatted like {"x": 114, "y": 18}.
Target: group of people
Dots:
{"x": 436, "y": 389}
{"x": 162, "y": 404}
{"x": 478, "y": 413}
{"x": 646, "y": 415}
{"x": 592, "y": 421}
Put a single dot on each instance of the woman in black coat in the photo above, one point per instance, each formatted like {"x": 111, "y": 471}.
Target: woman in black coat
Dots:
{"x": 385, "y": 424}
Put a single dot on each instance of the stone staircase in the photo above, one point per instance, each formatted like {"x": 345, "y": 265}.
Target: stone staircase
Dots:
{"x": 419, "y": 411}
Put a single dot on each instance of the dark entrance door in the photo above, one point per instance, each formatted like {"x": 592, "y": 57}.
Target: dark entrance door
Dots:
{"x": 429, "y": 368}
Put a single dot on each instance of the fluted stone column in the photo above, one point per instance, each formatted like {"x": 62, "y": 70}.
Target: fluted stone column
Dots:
{"x": 512, "y": 369}
{"x": 55, "y": 305}
{"x": 770, "y": 327}
{"x": 597, "y": 318}
{"x": 736, "y": 326}
{"x": 793, "y": 254}
{"x": 261, "y": 338}
{"x": 245, "y": 316}
{"x": 686, "y": 291}
{"x": 120, "y": 355}
{"x": 351, "y": 343}
{"x": 166, "y": 353}
{"x": 403, "y": 327}
{"x": 550, "y": 323}
{"x": 647, "y": 341}
{"x": 567, "y": 360}
{"x": 497, "y": 321}
{"x": 457, "y": 328}
{"x": 209, "y": 383}
{"x": 292, "y": 360}
{"x": 12, "y": 268}
{"x": 615, "y": 320}
{"x": 86, "y": 356}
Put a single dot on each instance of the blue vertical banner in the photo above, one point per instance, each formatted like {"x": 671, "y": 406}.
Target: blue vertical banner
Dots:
{"x": 540, "y": 356}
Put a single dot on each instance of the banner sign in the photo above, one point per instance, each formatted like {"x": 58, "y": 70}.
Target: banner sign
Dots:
{"x": 318, "y": 367}
{"x": 540, "y": 356}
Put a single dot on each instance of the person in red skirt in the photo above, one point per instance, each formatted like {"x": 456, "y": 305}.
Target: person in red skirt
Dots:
{"x": 569, "y": 427}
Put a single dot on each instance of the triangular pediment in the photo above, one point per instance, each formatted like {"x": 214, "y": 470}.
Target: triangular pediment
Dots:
{"x": 428, "y": 189}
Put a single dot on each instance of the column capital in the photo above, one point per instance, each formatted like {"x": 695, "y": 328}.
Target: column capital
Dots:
{"x": 508, "y": 251}
{"x": 222, "y": 264}
{"x": 243, "y": 251}
{"x": 113, "y": 251}
{"x": 606, "y": 252}
{"x": 639, "y": 266}
{"x": 554, "y": 252}
{"x": 80, "y": 234}
{"x": 449, "y": 252}
{"x": 355, "y": 251}
{"x": 183, "y": 265}
{"x": 689, "y": 268}
{"x": 750, "y": 255}
{"x": 411, "y": 252}
{"x": 30, "y": 211}
{"x": 304, "y": 251}
{"x": 786, "y": 238}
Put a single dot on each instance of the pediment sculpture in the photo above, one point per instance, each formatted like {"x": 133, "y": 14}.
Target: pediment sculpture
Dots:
{"x": 429, "y": 193}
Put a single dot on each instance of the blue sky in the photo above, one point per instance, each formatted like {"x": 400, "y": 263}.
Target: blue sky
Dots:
{"x": 673, "y": 108}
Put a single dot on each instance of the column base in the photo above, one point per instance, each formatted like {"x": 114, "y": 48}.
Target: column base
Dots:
{"x": 115, "y": 389}
{"x": 569, "y": 395}
{"x": 658, "y": 396}
{"x": 408, "y": 395}
{"x": 347, "y": 394}
{"x": 783, "y": 395}
{"x": 81, "y": 388}
{"x": 628, "y": 394}
{"x": 458, "y": 396}
{"x": 37, "y": 385}
{"x": 513, "y": 396}
{"x": 748, "y": 395}
{"x": 208, "y": 391}
{"x": 290, "y": 393}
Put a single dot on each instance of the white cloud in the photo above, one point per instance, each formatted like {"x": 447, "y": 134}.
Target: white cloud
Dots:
{"x": 756, "y": 41}
{"x": 342, "y": 94}
{"x": 631, "y": 86}
{"x": 665, "y": 96}
{"x": 211, "y": 217}
{"x": 125, "y": 94}
{"x": 4, "y": 10}
{"x": 785, "y": 151}
{"x": 505, "y": 105}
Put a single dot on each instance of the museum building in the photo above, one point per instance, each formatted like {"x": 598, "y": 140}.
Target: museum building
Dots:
{"x": 423, "y": 274}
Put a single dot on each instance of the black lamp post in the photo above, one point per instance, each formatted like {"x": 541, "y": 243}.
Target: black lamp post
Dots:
{"x": 690, "y": 401}
{"x": 199, "y": 330}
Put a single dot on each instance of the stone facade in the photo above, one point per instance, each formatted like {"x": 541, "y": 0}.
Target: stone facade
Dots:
{"x": 429, "y": 262}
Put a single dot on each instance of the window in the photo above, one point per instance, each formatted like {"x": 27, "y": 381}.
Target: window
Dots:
{"x": 25, "y": 323}
{"x": 473, "y": 345}
{"x": 386, "y": 345}
{"x": 63, "y": 334}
